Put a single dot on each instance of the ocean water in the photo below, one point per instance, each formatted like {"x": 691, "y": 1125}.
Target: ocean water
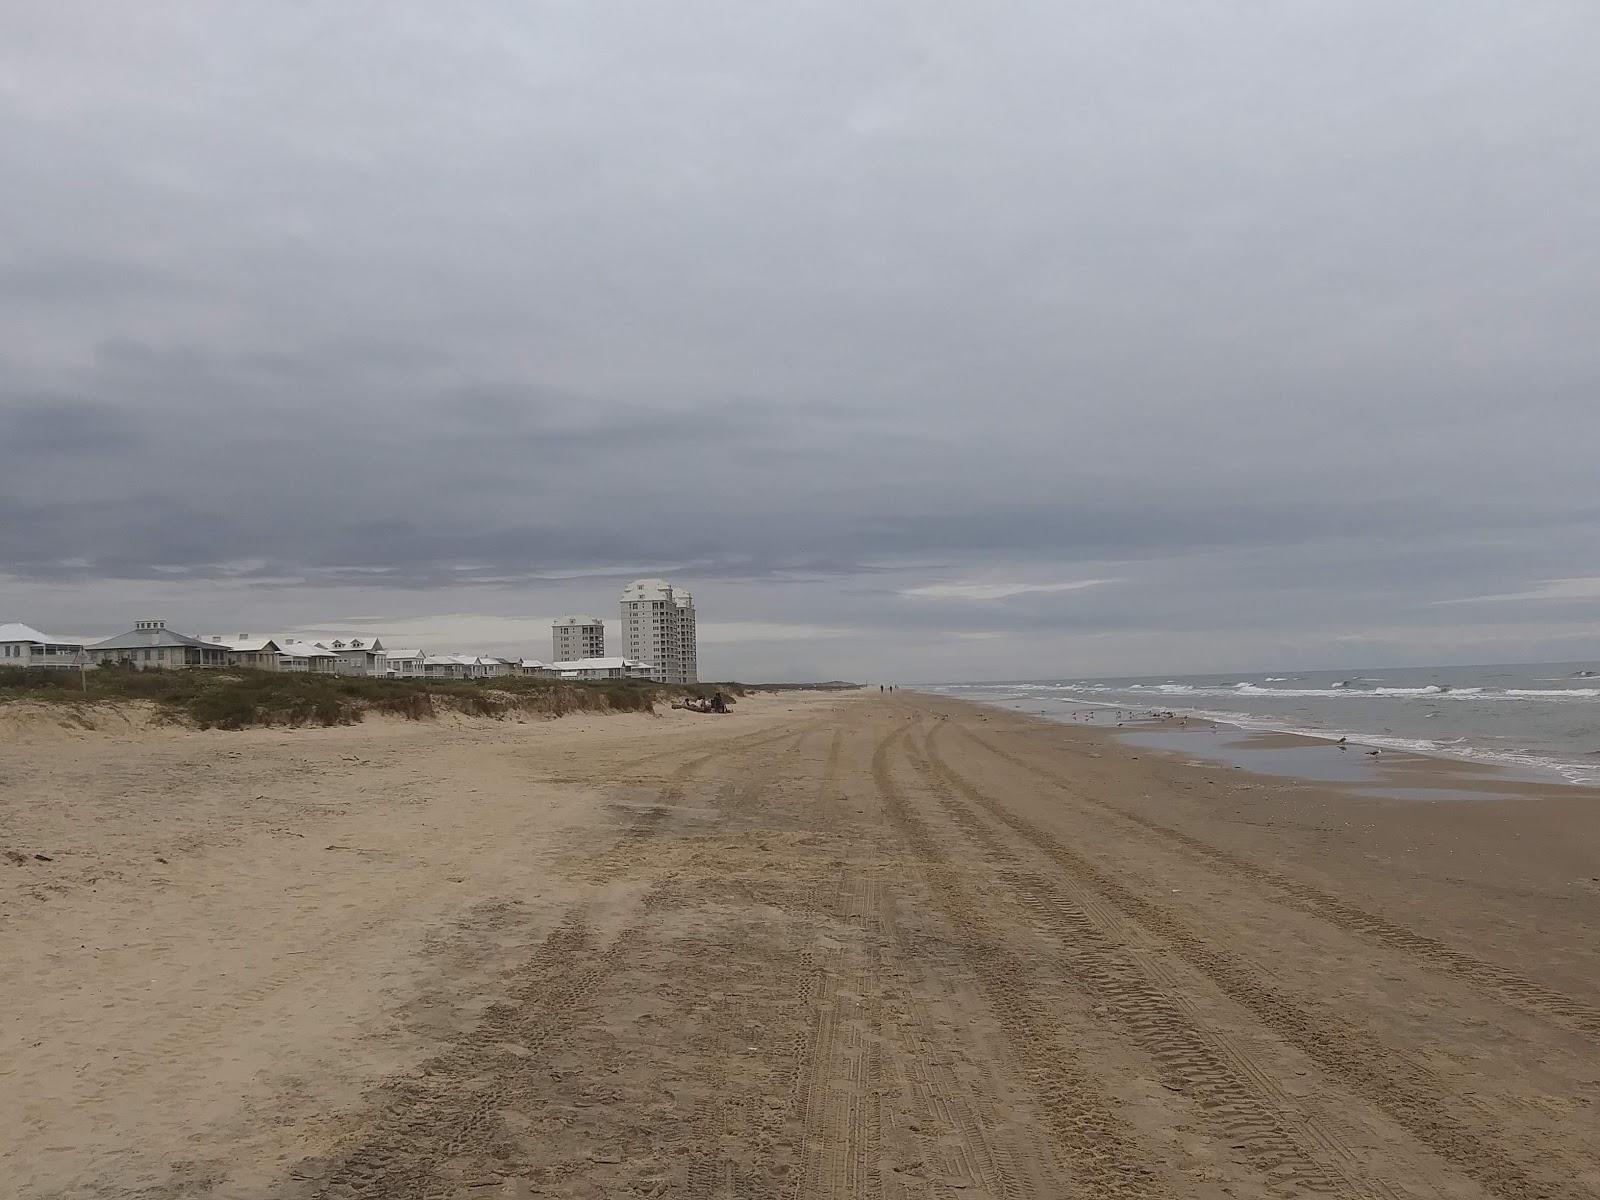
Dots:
{"x": 1543, "y": 717}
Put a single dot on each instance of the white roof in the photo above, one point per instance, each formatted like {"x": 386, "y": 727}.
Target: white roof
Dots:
{"x": 578, "y": 621}
{"x": 242, "y": 642}
{"x": 599, "y": 664}
{"x": 647, "y": 589}
{"x": 369, "y": 641}
{"x": 13, "y": 631}
{"x": 394, "y": 654}
{"x": 533, "y": 662}
{"x": 304, "y": 650}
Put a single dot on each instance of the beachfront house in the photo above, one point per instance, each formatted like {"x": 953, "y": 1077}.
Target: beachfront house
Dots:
{"x": 604, "y": 668}
{"x": 245, "y": 650}
{"x": 306, "y": 658}
{"x": 532, "y": 666}
{"x": 463, "y": 666}
{"x": 447, "y": 666}
{"x": 24, "y": 646}
{"x": 151, "y": 646}
{"x": 406, "y": 664}
{"x": 358, "y": 655}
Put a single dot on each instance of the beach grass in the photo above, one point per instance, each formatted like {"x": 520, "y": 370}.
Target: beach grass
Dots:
{"x": 239, "y": 698}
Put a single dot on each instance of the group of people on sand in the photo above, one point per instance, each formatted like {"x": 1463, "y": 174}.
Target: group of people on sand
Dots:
{"x": 715, "y": 703}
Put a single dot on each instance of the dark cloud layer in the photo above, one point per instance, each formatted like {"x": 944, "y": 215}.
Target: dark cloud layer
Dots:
{"x": 1280, "y": 319}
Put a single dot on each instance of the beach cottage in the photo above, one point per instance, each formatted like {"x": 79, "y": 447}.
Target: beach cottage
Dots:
{"x": 406, "y": 664}
{"x": 449, "y": 666}
{"x": 358, "y": 655}
{"x": 150, "y": 645}
{"x": 306, "y": 658}
{"x": 253, "y": 652}
{"x": 24, "y": 646}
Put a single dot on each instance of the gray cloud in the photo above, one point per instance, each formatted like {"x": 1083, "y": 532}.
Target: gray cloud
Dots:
{"x": 1283, "y": 319}
{"x": 51, "y": 427}
{"x": 66, "y": 278}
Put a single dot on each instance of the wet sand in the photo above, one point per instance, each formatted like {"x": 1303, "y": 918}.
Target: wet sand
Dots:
{"x": 828, "y": 946}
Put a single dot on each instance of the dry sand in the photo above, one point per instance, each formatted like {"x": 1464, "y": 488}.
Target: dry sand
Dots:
{"x": 828, "y": 946}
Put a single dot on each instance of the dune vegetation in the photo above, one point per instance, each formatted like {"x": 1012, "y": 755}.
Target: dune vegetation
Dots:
{"x": 238, "y": 699}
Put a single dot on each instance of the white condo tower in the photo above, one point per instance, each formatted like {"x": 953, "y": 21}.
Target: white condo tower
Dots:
{"x": 658, "y": 629}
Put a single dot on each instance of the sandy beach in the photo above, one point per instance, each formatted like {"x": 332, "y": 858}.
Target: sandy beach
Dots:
{"x": 832, "y": 945}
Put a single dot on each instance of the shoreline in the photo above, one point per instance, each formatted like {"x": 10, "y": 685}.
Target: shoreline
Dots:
{"x": 1545, "y": 833}
{"x": 1520, "y": 766}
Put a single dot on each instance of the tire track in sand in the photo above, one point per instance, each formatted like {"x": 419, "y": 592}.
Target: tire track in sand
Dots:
{"x": 1396, "y": 1085}
{"x": 440, "y": 1125}
{"x": 448, "y": 1110}
{"x": 625, "y": 855}
{"x": 836, "y": 1091}
{"x": 753, "y": 1020}
{"x": 1098, "y": 1148}
{"x": 840, "y": 1146}
{"x": 1506, "y": 985}
{"x": 899, "y": 1099}
{"x": 626, "y": 769}
{"x": 958, "y": 1092}
{"x": 1253, "y": 1116}
{"x": 211, "y": 1023}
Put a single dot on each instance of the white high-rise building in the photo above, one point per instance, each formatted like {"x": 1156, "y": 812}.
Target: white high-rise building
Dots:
{"x": 658, "y": 629}
{"x": 577, "y": 637}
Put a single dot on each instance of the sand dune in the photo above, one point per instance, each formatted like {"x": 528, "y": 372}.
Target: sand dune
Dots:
{"x": 828, "y": 946}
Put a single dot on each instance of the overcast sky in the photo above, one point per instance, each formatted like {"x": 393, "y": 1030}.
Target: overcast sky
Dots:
{"x": 921, "y": 340}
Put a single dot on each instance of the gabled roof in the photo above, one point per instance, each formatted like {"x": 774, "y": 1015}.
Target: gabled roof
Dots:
{"x": 346, "y": 643}
{"x": 599, "y": 664}
{"x": 13, "y": 631}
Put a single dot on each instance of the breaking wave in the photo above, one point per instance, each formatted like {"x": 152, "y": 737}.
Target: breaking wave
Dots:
{"x": 1140, "y": 692}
